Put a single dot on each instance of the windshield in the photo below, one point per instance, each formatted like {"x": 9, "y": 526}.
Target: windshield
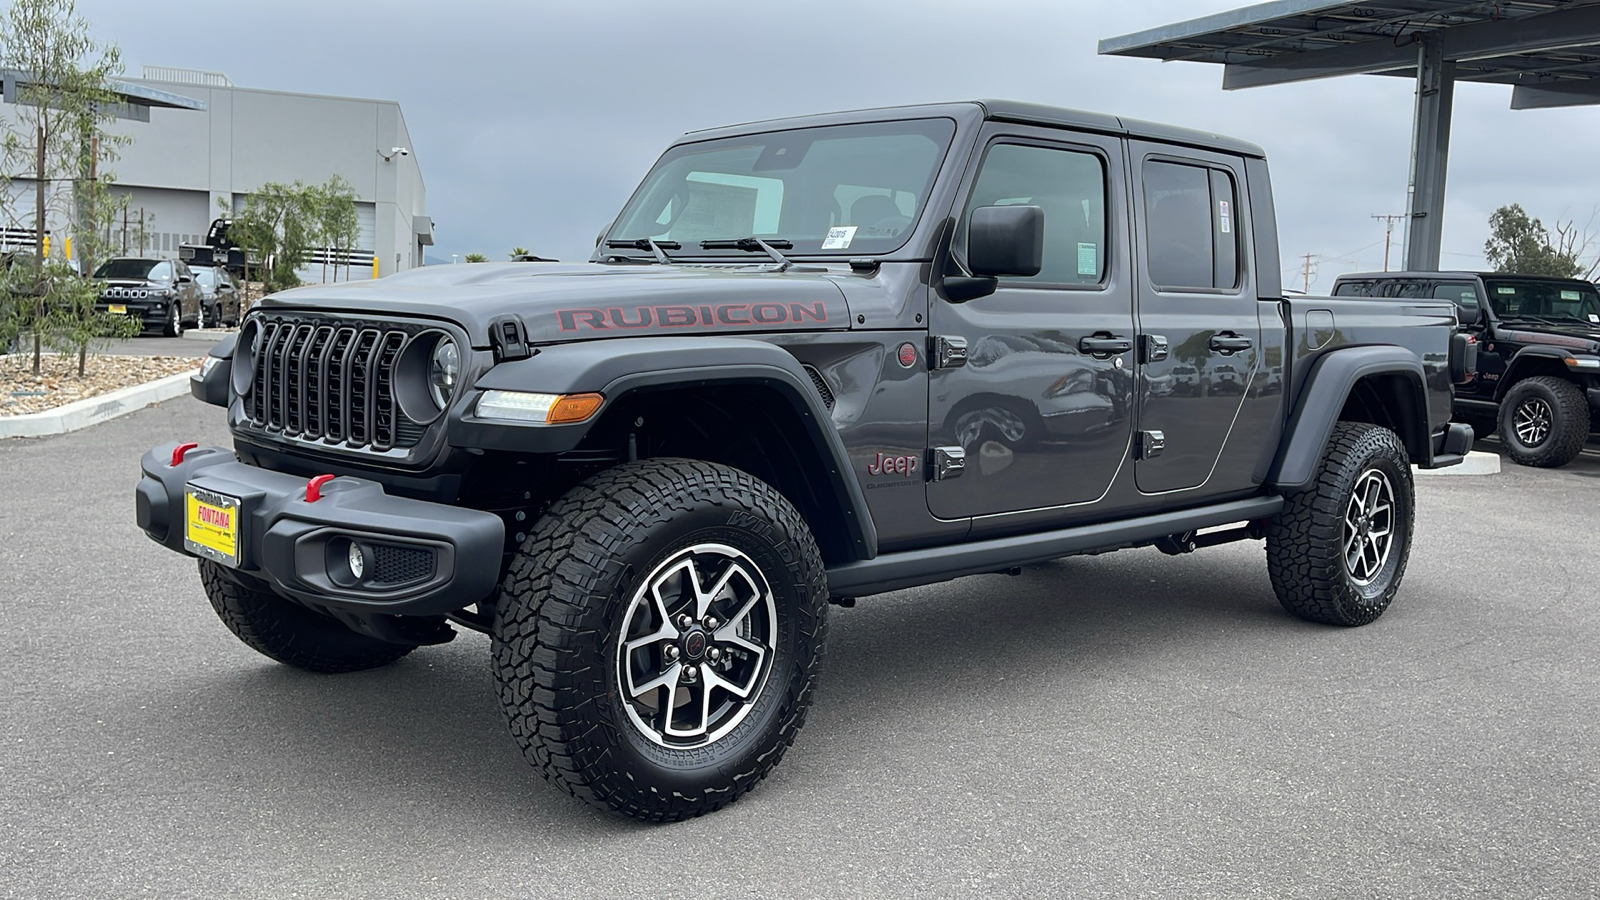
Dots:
{"x": 839, "y": 189}
{"x": 127, "y": 268}
{"x": 1558, "y": 301}
{"x": 206, "y": 278}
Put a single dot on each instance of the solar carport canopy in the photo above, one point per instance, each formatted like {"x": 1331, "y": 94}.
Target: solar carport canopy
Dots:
{"x": 1549, "y": 50}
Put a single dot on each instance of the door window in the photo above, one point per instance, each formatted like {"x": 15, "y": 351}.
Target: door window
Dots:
{"x": 1069, "y": 186}
{"x": 1192, "y": 220}
{"x": 1462, "y": 294}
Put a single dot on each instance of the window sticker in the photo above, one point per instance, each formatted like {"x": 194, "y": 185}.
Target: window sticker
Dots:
{"x": 1571, "y": 295}
{"x": 1088, "y": 259}
{"x": 1222, "y": 213}
{"x": 1505, "y": 290}
{"x": 1594, "y": 318}
{"x": 839, "y": 238}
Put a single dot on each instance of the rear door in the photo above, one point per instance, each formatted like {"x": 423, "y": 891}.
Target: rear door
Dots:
{"x": 1042, "y": 405}
{"x": 1200, "y": 337}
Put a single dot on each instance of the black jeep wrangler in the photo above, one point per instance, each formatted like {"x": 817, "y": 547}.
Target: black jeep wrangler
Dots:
{"x": 811, "y": 360}
{"x": 1538, "y": 370}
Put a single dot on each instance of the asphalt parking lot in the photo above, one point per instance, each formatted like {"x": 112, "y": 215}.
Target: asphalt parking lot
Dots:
{"x": 1129, "y": 725}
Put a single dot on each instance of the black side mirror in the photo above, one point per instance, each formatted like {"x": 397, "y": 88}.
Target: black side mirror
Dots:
{"x": 1006, "y": 240}
{"x": 1469, "y": 315}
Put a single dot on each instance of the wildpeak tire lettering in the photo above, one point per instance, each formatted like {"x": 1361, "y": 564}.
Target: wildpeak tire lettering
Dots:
{"x": 718, "y": 315}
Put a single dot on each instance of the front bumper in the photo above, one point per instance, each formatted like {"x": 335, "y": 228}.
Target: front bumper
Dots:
{"x": 151, "y": 313}
{"x": 426, "y": 558}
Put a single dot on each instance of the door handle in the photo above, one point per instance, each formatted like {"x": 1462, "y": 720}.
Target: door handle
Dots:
{"x": 1228, "y": 342}
{"x": 1103, "y": 343}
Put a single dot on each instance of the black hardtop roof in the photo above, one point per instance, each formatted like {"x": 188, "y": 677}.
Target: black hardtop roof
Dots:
{"x": 1001, "y": 110}
{"x": 1463, "y": 273}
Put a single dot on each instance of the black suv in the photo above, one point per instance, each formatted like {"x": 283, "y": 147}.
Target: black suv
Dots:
{"x": 811, "y": 360}
{"x": 1539, "y": 354}
{"x": 160, "y": 293}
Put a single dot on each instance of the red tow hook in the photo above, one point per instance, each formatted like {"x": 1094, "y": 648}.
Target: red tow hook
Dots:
{"x": 179, "y": 451}
{"x": 314, "y": 487}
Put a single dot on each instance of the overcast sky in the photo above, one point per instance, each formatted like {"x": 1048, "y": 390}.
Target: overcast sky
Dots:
{"x": 532, "y": 121}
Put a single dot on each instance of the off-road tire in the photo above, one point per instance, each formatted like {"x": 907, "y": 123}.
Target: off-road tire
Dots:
{"x": 1568, "y": 428}
{"x": 174, "y": 323}
{"x": 1306, "y": 555}
{"x": 289, "y": 632}
{"x": 567, "y": 596}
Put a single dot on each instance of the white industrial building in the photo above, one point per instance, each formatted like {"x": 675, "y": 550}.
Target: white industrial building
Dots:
{"x": 201, "y": 144}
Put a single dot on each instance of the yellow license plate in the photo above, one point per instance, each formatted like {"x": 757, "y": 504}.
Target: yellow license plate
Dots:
{"x": 211, "y": 525}
{"x": 117, "y": 309}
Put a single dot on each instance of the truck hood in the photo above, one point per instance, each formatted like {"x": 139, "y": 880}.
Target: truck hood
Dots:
{"x": 566, "y": 302}
{"x": 1575, "y": 336}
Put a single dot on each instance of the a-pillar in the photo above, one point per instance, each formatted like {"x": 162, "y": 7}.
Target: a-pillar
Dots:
{"x": 1430, "y": 155}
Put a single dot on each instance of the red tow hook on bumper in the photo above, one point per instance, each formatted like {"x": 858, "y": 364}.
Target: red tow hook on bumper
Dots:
{"x": 179, "y": 451}
{"x": 314, "y": 487}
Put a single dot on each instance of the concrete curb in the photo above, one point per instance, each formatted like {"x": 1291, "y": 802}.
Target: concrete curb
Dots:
{"x": 1476, "y": 462}
{"x": 94, "y": 410}
{"x": 208, "y": 334}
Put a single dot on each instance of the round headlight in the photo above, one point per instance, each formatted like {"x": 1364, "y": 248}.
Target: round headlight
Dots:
{"x": 443, "y": 370}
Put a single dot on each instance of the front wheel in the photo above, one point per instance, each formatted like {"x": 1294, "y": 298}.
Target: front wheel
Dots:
{"x": 658, "y": 636}
{"x": 174, "y": 326}
{"x": 1544, "y": 421}
{"x": 1336, "y": 552}
{"x": 288, "y": 632}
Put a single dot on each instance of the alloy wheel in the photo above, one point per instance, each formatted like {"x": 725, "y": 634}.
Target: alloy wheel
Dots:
{"x": 1368, "y": 533}
{"x": 696, "y": 645}
{"x": 1533, "y": 421}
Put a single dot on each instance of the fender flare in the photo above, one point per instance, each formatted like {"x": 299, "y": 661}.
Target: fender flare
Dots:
{"x": 1328, "y": 384}
{"x": 1519, "y": 361}
{"x": 618, "y": 367}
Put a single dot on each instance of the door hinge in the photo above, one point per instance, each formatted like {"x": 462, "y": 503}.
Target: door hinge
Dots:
{"x": 948, "y": 462}
{"x": 1155, "y": 348}
{"x": 946, "y": 352}
{"x": 1151, "y": 443}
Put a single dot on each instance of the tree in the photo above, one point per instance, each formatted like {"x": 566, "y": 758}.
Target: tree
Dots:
{"x": 333, "y": 209}
{"x": 475, "y": 257}
{"x": 57, "y": 136}
{"x": 277, "y": 227}
{"x": 1519, "y": 243}
{"x": 518, "y": 252}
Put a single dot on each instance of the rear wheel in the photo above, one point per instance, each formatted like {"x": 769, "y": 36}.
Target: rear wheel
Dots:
{"x": 658, "y": 636}
{"x": 289, "y": 632}
{"x": 1544, "y": 421}
{"x": 1337, "y": 551}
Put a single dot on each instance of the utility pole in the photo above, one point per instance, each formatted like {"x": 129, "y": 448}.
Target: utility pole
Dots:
{"x": 1388, "y": 232}
{"x": 1305, "y": 273}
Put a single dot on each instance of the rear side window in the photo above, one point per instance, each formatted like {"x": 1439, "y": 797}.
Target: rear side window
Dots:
{"x": 1191, "y": 216}
{"x": 1353, "y": 289}
{"x": 1409, "y": 290}
{"x": 1462, "y": 294}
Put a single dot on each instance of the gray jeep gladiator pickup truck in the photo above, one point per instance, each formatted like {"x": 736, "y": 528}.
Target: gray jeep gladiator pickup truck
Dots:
{"x": 811, "y": 360}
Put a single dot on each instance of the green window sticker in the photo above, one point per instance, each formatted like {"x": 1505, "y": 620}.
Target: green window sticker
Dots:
{"x": 1088, "y": 259}
{"x": 1505, "y": 290}
{"x": 1571, "y": 295}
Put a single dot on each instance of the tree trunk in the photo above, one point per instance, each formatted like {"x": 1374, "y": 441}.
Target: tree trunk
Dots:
{"x": 38, "y": 286}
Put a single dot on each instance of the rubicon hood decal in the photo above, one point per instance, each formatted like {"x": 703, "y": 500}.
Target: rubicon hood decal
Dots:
{"x": 586, "y": 301}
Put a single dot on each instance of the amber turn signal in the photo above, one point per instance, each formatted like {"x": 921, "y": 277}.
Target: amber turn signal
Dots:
{"x": 573, "y": 408}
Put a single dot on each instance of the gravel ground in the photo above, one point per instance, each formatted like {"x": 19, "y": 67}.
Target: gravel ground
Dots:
{"x": 23, "y": 392}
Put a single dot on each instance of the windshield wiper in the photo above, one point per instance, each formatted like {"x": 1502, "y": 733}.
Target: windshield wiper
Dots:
{"x": 659, "y": 248}
{"x": 752, "y": 244}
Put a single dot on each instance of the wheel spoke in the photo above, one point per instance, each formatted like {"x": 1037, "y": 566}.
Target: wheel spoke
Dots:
{"x": 667, "y": 678}
{"x": 715, "y": 679}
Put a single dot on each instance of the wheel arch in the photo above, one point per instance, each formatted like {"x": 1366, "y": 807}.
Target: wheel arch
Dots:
{"x": 1382, "y": 385}
{"x": 734, "y": 401}
{"x": 1534, "y": 361}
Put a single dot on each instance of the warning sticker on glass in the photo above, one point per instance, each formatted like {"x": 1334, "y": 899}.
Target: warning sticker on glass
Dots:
{"x": 1088, "y": 259}
{"x": 1571, "y": 295}
{"x": 1224, "y": 216}
{"x": 1505, "y": 290}
{"x": 839, "y": 238}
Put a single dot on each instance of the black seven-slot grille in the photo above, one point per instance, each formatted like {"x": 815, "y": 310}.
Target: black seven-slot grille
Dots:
{"x": 331, "y": 380}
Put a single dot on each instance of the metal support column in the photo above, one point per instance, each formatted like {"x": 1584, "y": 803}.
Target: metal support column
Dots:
{"x": 1430, "y": 153}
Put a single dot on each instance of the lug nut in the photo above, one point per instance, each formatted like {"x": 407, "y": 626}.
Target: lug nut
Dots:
{"x": 684, "y": 621}
{"x": 690, "y": 673}
{"x": 711, "y": 622}
{"x": 672, "y": 652}
{"x": 714, "y": 653}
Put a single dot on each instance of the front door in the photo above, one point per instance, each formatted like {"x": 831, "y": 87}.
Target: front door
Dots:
{"x": 1042, "y": 405}
{"x": 1199, "y": 330}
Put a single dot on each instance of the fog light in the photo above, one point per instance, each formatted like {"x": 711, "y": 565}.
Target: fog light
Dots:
{"x": 358, "y": 561}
